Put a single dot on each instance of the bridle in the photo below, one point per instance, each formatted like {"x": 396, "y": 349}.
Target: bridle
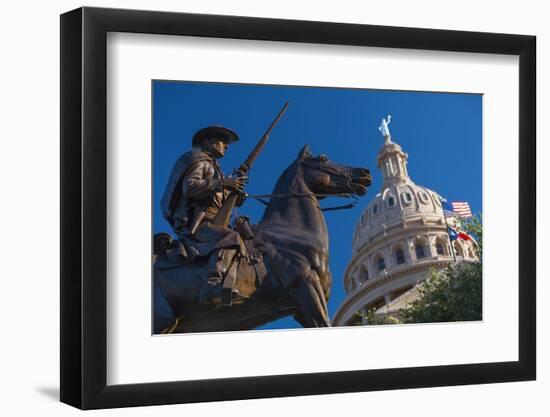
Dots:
{"x": 260, "y": 198}
{"x": 350, "y": 194}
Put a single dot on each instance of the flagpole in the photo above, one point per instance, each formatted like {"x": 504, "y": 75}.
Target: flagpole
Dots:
{"x": 448, "y": 234}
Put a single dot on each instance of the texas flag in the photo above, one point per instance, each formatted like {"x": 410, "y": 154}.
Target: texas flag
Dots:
{"x": 457, "y": 234}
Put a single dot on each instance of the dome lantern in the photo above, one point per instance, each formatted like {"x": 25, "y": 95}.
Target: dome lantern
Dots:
{"x": 392, "y": 161}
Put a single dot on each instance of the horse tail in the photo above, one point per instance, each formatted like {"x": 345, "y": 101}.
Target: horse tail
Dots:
{"x": 171, "y": 329}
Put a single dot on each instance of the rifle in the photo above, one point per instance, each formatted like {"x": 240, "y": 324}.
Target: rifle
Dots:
{"x": 223, "y": 216}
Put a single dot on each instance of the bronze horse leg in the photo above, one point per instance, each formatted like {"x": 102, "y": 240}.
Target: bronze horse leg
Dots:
{"x": 311, "y": 301}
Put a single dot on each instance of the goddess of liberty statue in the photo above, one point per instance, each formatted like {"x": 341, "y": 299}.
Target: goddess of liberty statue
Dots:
{"x": 385, "y": 130}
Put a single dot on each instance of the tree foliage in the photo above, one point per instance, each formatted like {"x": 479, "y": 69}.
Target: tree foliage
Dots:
{"x": 377, "y": 319}
{"x": 370, "y": 317}
{"x": 450, "y": 295}
{"x": 454, "y": 294}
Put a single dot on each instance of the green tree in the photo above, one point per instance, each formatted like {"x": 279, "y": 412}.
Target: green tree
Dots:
{"x": 377, "y": 319}
{"x": 454, "y": 294}
{"x": 371, "y": 318}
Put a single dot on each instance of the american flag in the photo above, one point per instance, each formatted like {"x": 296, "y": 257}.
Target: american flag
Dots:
{"x": 462, "y": 208}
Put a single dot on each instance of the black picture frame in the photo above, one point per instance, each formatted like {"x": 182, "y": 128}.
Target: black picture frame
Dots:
{"x": 84, "y": 207}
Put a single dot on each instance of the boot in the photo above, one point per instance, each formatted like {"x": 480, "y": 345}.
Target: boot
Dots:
{"x": 228, "y": 293}
{"x": 218, "y": 265}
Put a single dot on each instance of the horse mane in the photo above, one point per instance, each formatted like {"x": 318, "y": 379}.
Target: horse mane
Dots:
{"x": 289, "y": 179}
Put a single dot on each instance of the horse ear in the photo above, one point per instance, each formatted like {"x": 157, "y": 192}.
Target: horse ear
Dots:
{"x": 305, "y": 153}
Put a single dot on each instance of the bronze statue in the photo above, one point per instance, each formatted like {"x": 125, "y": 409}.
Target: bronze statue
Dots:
{"x": 218, "y": 278}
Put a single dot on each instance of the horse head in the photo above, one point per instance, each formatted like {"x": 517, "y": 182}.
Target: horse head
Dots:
{"x": 323, "y": 176}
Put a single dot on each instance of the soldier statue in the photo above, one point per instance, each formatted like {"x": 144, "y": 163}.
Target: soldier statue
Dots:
{"x": 196, "y": 190}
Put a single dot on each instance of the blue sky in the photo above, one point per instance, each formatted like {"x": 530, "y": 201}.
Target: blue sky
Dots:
{"x": 441, "y": 132}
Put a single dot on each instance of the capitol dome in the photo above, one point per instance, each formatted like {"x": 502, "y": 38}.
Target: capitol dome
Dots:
{"x": 399, "y": 237}
{"x": 400, "y": 198}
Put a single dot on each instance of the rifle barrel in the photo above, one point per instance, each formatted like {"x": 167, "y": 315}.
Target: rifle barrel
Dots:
{"x": 255, "y": 152}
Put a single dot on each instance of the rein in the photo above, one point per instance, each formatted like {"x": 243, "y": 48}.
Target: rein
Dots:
{"x": 260, "y": 198}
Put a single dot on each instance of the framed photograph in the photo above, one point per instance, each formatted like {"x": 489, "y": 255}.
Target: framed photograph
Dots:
{"x": 258, "y": 208}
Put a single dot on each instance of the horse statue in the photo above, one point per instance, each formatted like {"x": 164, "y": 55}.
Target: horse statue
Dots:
{"x": 290, "y": 275}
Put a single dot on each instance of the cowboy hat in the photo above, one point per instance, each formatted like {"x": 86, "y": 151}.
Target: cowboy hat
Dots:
{"x": 229, "y": 135}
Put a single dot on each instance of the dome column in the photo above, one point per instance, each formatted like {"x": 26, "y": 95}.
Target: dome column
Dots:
{"x": 431, "y": 246}
{"x": 410, "y": 250}
{"x": 370, "y": 267}
{"x": 357, "y": 277}
{"x": 388, "y": 260}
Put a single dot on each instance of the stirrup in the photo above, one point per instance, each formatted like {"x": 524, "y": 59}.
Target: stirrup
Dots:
{"x": 230, "y": 295}
{"x": 213, "y": 295}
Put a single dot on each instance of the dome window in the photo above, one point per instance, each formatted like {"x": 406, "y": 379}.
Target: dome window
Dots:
{"x": 391, "y": 201}
{"x": 423, "y": 197}
{"x": 407, "y": 197}
{"x": 375, "y": 209}
{"x": 441, "y": 247}
{"x": 420, "y": 253}
{"x": 399, "y": 257}
{"x": 381, "y": 264}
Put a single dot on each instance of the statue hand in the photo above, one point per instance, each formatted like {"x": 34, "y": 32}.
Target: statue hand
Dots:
{"x": 235, "y": 184}
{"x": 241, "y": 199}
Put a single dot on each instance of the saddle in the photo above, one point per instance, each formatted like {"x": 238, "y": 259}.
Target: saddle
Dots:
{"x": 171, "y": 253}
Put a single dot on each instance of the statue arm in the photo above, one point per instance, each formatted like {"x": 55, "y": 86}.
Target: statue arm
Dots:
{"x": 198, "y": 182}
